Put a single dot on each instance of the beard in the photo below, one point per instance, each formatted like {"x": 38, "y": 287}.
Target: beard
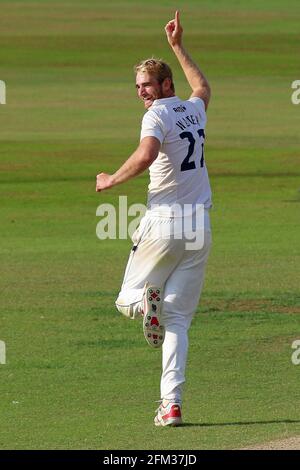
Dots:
{"x": 160, "y": 93}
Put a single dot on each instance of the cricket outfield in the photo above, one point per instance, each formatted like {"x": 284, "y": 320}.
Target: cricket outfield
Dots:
{"x": 77, "y": 374}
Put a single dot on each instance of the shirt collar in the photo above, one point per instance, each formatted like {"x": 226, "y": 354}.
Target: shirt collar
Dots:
{"x": 172, "y": 99}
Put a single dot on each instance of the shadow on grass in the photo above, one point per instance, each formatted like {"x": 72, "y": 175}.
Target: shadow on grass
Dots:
{"x": 242, "y": 423}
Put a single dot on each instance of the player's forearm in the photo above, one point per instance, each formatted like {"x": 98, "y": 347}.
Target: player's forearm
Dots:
{"x": 139, "y": 161}
{"x": 134, "y": 166}
{"x": 194, "y": 75}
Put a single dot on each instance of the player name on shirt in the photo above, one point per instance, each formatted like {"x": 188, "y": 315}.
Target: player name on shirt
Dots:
{"x": 188, "y": 121}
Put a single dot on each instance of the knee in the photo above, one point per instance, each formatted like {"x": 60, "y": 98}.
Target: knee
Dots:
{"x": 128, "y": 310}
{"x": 176, "y": 322}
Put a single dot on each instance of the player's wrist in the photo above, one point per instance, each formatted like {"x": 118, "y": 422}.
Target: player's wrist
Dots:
{"x": 177, "y": 47}
{"x": 112, "y": 180}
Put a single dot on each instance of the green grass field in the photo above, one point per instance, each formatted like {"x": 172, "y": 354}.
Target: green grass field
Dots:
{"x": 78, "y": 376}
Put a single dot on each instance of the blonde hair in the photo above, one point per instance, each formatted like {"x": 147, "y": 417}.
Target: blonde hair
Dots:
{"x": 156, "y": 67}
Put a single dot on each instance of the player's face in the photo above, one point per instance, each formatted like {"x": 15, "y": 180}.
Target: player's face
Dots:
{"x": 148, "y": 88}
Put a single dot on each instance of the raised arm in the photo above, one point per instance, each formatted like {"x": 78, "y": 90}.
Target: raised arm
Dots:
{"x": 195, "y": 77}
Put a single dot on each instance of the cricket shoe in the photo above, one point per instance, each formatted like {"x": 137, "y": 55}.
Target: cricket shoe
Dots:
{"x": 154, "y": 331}
{"x": 169, "y": 415}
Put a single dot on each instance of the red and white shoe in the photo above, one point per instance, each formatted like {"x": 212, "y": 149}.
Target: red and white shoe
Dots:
{"x": 169, "y": 415}
{"x": 154, "y": 331}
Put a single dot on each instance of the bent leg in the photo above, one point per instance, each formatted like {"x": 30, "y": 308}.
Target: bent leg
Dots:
{"x": 151, "y": 261}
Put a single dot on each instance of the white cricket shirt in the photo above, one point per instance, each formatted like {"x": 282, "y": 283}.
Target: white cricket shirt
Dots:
{"x": 179, "y": 174}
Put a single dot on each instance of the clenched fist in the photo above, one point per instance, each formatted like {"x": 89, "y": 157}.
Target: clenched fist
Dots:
{"x": 104, "y": 181}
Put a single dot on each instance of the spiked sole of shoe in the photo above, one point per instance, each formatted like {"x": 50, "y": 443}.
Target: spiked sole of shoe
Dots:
{"x": 154, "y": 331}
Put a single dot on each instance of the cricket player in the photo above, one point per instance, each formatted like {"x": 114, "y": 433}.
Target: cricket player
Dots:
{"x": 163, "y": 279}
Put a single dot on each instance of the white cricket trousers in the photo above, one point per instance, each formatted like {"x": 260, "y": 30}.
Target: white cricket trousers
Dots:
{"x": 166, "y": 263}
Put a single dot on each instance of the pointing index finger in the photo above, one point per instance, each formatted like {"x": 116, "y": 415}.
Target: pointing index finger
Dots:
{"x": 177, "y": 20}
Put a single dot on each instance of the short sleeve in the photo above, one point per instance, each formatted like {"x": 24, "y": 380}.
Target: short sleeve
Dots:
{"x": 152, "y": 127}
{"x": 199, "y": 104}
